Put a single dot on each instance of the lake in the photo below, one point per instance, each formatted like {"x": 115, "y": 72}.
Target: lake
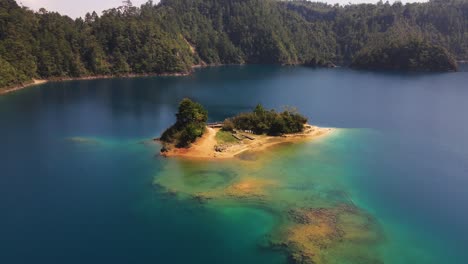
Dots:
{"x": 81, "y": 181}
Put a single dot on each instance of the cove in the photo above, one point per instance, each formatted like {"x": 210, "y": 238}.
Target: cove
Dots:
{"x": 78, "y": 173}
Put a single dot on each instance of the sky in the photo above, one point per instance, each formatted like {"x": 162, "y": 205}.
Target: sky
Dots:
{"x": 78, "y": 8}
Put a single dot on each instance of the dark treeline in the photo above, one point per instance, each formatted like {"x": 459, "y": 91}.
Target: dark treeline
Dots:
{"x": 174, "y": 35}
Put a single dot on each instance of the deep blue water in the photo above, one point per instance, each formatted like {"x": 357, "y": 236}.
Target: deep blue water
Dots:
{"x": 76, "y": 174}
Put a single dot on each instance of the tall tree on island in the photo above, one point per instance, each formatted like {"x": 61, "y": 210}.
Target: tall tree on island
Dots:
{"x": 190, "y": 124}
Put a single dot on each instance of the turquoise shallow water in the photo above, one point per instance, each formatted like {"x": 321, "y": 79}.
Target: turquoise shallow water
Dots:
{"x": 77, "y": 171}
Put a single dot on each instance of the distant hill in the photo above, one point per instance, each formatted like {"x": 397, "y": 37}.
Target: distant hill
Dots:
{"x": 174, "y": 35}
{"x": 412, "y": 55}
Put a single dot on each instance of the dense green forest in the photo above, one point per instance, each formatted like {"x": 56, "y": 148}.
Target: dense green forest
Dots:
{"x": 409, "y": 55}
{"x": 174, "y": 35}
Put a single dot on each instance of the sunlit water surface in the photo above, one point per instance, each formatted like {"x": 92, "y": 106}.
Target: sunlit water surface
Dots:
{"x": 80, "y": 180}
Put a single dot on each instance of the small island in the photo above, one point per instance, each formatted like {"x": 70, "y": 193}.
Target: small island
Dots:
{"x": 405, "y": 55}
{"x": 192, "y": 137}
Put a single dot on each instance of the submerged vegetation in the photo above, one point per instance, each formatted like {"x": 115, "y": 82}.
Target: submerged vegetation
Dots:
{"x": 316, "y": 222}
{"x": 190, "y": 124}
{"x": 262, "y": 121}
{"x": 174, "y": 35}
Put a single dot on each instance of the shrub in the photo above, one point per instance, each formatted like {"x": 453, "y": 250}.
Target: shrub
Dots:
{"x": 261, "y": 121}
{"x": 228, "y": 125}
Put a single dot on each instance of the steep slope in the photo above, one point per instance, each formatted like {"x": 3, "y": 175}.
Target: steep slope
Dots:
{"x": 174, "y": 35}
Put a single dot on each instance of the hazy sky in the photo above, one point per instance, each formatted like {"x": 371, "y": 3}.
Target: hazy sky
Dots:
{"x": 77, "y": 8}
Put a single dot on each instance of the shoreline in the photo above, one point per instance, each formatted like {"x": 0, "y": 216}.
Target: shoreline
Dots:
{"x": 208, "y": 148}
{"x": 36, "y": 82}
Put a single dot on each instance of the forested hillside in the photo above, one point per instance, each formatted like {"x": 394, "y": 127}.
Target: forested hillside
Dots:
{"x": 174, "y": 35}
{"x": 408, "y": 55}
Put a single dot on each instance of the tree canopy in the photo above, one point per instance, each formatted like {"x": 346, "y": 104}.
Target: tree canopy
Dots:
{"x": 190, "y": 124}
{"x": 174, "y": 35}
{"x": 262, "y": 121}
{"x": 412, "y": 55}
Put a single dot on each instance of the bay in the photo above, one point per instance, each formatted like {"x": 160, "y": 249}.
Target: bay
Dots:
{"x": 78, "y": 168}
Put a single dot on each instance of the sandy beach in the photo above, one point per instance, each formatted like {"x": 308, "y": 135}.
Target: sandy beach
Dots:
{"x": 207, "y": 147}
